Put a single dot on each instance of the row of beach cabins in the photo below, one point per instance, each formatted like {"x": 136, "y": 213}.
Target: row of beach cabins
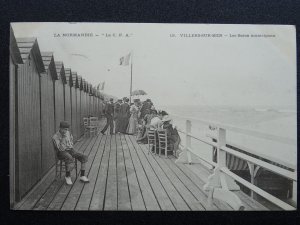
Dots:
{"x": 43, "y": 92}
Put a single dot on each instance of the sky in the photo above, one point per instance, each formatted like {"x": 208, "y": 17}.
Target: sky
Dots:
{"x": 228, "y": 70}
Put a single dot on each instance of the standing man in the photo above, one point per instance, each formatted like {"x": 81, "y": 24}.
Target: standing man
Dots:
{"x": 124, "y": 114}
{"x": 63, "y": 141}
{"x": 109, "y": 114}
{"x": 117, "y": 117}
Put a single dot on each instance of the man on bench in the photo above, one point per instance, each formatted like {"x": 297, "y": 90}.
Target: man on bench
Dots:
{"x": 64, "y": 143}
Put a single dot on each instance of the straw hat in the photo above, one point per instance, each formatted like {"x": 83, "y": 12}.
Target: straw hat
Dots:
{"x": 166, "y": 118}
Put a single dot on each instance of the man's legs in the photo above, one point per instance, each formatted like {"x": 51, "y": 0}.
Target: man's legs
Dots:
{"x": 67, "y": 158}
{"x": 111, "y": 125}
{"x": 106, "y": 125}
{"x": 82, "y": 159}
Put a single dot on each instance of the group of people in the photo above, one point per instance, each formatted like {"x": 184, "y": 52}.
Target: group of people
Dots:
{"x": 134, "y": 119}
{"x": 123, "y": 117}
{"x": 137, "y": 118}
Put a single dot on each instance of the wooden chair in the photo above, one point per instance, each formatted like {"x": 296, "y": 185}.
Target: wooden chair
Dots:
{"x": 151, "y": 133}
{"x": 94, "y": 125}
{"x": 59, "y": 163}
{"x": 89, "y": 127}
{"x": 163, "y": 142}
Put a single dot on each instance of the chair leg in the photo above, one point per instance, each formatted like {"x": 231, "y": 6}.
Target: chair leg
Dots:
{"x": 56, "y": 167}
{"x": 76, "y": 167}
{"x": 60, "y": 169}
{"x": 166, "y": 151}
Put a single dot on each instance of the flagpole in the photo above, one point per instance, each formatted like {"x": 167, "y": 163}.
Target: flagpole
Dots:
{"x": 131, "y": 79}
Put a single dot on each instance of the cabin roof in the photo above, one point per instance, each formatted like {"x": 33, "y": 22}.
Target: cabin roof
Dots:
{"x": 80, "y": 82}
{"x": 49, "y": 64}
{"x": 60, "y": 69}
{"x": 30, "y": 45}
{"x": 13, "y": 48}
{"x": 68, "y": 75}
{"x": 75, "y": 79}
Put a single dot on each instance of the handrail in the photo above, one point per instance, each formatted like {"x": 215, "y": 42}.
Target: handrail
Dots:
{"x": 259, "y": 191}
{"x": 253, "y": 133}
{"x": 273, "y": 168}
{"x": 199, "y": 139}
{"x": 221, "y": 163}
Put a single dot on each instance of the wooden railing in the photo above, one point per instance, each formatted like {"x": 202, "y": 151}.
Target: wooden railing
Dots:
{"x": 254, "y": 163}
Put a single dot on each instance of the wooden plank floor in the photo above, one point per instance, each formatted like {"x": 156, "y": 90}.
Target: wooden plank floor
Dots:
{"x": 123, "y": 176}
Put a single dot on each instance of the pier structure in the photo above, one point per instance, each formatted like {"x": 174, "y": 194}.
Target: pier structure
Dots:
{"x": 223, "y": 182}
{"x": 123, "y": 176}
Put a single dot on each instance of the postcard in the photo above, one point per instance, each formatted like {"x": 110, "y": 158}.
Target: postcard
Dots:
{"x": 152, "y": 117}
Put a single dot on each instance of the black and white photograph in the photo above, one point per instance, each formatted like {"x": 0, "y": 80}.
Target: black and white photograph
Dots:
{"x": 152, "y": 117}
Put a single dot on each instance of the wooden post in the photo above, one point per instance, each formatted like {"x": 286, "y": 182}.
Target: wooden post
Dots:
{"x": 253, "y": 169}
{"x": 188, "y": 140}
{"x": 221, "y": 155}
{"x": 294, "y": 197}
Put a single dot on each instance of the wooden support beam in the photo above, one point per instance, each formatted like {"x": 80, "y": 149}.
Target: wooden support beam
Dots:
{"x": 220, "y": 186}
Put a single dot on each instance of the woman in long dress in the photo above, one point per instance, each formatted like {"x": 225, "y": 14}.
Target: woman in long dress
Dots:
{"x": 133, "y": 120}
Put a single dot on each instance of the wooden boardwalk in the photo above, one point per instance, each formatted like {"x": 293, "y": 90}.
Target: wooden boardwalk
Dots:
{"x": 123, "y": 176}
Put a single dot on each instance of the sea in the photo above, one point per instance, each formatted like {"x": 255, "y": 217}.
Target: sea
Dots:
{"x": 269, "y": 132}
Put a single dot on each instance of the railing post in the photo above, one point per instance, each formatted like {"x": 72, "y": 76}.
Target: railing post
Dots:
{"x": 221, "y": 155}
{"x": 188, "y": 140}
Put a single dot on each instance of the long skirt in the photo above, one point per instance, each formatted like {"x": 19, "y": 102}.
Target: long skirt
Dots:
{"x": 123, "y": 123}
{"x": 132, "y": 126}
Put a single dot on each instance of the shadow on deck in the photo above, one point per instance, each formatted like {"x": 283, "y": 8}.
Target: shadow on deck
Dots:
{"x": 123, "y": 176}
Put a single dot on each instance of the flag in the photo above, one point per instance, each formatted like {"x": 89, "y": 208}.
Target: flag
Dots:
{"x": 124, "y": 61}
{"x": 102, "y": 87}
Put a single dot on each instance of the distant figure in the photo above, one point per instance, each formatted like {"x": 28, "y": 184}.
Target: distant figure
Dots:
{"x": 125, "y": 114}
{"x": 109, "y": 114}
{"x": 117, "y": 116}
{"x": 146, "y": 106}
{"x": 146, "y": 124}
{"x": 172, "y": 133}
{"x": 155, "y": 122}
{"x": 63, "y": 140}
{"x": 133, "y": 121}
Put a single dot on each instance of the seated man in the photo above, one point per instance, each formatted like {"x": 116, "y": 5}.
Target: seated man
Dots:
{"x": 64, "y": 143}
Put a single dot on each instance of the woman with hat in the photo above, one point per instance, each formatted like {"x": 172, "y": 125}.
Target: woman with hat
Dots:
{"x": 172, "y": 133}
{"x": 133, "y": 120}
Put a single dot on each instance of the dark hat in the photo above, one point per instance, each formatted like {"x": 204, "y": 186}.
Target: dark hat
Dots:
{"x": 64, "y": 124}
{"x": 154, "y": 111}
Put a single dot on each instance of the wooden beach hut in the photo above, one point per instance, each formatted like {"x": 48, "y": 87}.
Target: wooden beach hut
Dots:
{"x": 69, "y": 84}
{"x": 92, "y": 100}
{"x": 59, "y": 86}
{"x": 28, "y": 127}
{"x": 47, "y": 110}
{"x": 14, "y": 59}
{"x": 88, "y": 101}
{"x": 83, "y": 98}
{"x": 79, "y": 106}
{"x": 74, "y": 110}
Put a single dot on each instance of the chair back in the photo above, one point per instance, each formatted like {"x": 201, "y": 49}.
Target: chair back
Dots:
{"x": 85, "y": 121}
{"x": 151, "y": 135}
{"x": 93, "y": 121}
{"x": 162, "y": 137}
{"x": 55, "y": 150}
